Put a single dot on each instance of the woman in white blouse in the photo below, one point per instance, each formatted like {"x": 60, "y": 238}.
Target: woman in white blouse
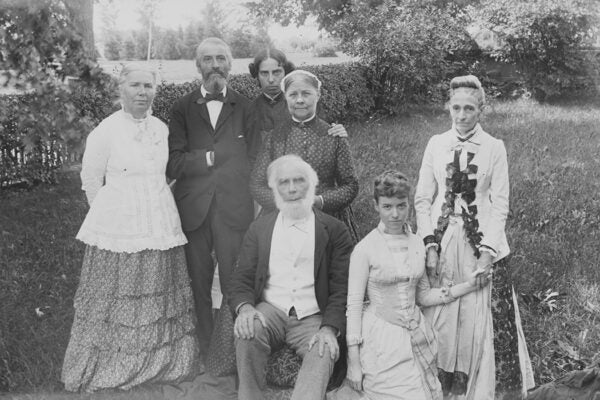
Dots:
{"x": 461, "y": 204}
{"x": 391, "y": 348}
{"x": 134, "y": 319}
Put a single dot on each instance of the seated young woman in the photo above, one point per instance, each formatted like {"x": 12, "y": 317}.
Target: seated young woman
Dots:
{"x": 391, "y": 348}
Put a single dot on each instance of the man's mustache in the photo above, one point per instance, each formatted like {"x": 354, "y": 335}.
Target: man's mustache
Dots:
{"x": 220, "y": 73}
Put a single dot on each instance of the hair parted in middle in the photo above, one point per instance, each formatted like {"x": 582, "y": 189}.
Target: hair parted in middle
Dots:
{"x": 391, "y": 183}
{"x": 275, "y": 54}
{"x": 300, "y": 75}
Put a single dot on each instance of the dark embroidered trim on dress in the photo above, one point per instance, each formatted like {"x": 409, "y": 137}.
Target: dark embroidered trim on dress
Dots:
{"x": 458, "y": 182}
{"x": 453, "y": 382}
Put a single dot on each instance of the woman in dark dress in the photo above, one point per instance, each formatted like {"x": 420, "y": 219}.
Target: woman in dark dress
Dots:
{"x": 306, "y": 135}
{"x": 269, "y": 109}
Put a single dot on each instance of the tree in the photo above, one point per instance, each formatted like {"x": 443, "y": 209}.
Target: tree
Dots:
{"x": 112, "y": 47}
{"x": 82, "y": 13}
{"x": 543, "y": 39}
{"x": 148, "y": 10}
{"x": 213, "y": 20}
{"x": 41, "y": 47}
{"x": 168, "y": 45}
{"x": 406, "y": 48}
{"x": 191, "y": 39}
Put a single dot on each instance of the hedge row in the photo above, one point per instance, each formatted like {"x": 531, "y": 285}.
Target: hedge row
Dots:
{"x": 346, "y": 96}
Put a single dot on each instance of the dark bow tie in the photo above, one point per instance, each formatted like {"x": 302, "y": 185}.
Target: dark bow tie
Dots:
{"x": 214, "y": 96}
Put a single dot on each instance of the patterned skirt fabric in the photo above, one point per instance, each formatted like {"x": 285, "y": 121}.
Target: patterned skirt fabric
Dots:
{"x": 134, "y": 321}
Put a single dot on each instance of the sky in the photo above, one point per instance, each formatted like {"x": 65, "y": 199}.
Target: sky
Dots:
{"x": 170, "y": 13}
{"x": 175, "y": 13}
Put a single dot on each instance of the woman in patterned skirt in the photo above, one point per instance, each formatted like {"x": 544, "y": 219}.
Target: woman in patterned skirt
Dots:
{"x": 306, "y": 135}
{"x": 134, "y": 317}
{"x": 461, "y": 203}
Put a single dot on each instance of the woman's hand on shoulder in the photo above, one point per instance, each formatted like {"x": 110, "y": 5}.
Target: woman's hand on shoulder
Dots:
{"x": 337, "y": 130}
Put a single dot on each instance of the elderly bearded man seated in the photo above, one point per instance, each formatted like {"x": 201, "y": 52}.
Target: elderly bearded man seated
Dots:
{"x": 290, "y": 285}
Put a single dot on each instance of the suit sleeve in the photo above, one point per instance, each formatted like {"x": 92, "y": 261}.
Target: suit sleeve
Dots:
{"x": 426, "y": 188}
{"x": 183, "y": 161}
{"x": 241, "y": 288}
{"x": 335, "y": 312}
{"x": 493, "y": 231}
{"x": 259, "y": 187}
{"x": 346, "y": 190}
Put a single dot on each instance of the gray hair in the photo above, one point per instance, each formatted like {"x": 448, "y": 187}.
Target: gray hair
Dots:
{"x": 136, "y": 67}
{"x": 300, "y": 75}
{"x": 216, "y": 41}
{"x": 468, "y": 82}
{"x": 291, "y": 159}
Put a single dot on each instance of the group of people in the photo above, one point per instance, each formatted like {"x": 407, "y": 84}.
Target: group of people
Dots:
{"x": 263, "y": 189}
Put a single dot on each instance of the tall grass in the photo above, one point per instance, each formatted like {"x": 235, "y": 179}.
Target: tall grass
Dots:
{"x": 553, "y": 231}
{"x": 553, "y": 225}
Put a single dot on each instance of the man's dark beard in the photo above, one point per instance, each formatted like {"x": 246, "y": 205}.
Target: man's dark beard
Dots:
{"x": 215, "y": 82}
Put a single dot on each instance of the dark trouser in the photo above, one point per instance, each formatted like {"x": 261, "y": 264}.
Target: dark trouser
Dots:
{"x": 226, "y": 242}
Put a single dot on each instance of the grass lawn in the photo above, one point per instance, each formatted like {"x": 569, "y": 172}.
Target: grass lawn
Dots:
{"x": 553, "y": 229}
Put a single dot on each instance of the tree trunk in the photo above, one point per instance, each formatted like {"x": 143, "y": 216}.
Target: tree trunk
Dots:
{"x": 82, "y": 13}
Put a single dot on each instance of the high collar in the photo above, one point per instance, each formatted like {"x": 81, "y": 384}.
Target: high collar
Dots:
{"x": 273, "y": 99}
{"x": 130, "y": 116}
{"x": 473, "y": 136}
{"x": 309, "y": 121}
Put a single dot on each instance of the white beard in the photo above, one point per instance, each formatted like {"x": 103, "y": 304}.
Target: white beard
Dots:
{"x": 297, "y": 209}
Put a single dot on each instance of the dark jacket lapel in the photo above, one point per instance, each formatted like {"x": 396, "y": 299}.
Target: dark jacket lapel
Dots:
{"x": 227, "y": 109}
{"x": 264, "y": 245}
{"x": 199, "y": 104}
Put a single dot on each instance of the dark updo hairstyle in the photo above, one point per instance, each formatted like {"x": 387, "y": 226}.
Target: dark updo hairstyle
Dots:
{"x": 275, "y": 54}
{"x": 391, "y": 184}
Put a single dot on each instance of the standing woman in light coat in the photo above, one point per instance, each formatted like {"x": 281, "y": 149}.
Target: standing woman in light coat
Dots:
{"x": 462, "y": 202}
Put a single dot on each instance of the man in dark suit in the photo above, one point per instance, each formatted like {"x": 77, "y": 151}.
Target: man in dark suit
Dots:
{"x": 290, "y": 285}
{"x": 210, "y": 156}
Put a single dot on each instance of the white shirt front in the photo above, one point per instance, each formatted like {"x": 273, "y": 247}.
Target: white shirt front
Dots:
{"x": 214, "y": 107}
{"x": 292, "y": 266}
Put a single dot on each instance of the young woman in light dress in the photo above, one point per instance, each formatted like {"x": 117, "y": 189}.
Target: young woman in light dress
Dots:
{"x": 391, "y": 348}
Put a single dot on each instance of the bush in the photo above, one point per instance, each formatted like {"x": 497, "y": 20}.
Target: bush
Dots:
{"x": 345, "y": 97}
{"x": 407, "y": 48}
{"x": 544, "y": 39}
{"x": 324, "y": 50}
{"x": 345, "y": 93}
